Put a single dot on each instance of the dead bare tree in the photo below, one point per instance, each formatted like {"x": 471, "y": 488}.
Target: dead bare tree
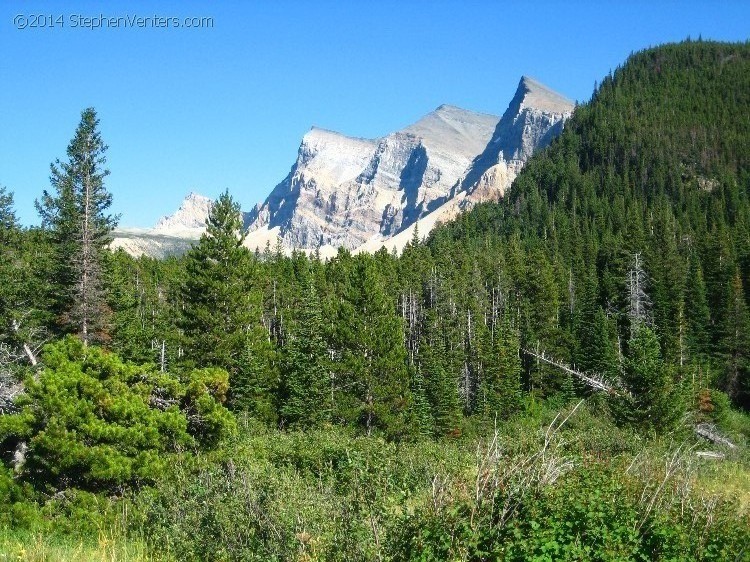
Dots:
{"x": 18, "y": 352}
{"x": 639, "y": 302}
{"x": 710, "y": 433}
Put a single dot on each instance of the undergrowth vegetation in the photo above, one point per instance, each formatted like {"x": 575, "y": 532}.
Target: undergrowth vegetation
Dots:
{"x": 557, "y": 482}
{"x": 546, "y": 486}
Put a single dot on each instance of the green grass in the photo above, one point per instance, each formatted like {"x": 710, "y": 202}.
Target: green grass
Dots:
{"x": 727, "y": 478}
{"x": 24, "y": 546}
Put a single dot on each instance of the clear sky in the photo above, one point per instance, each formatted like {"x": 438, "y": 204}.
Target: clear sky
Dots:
{"x": 225, "y": 107}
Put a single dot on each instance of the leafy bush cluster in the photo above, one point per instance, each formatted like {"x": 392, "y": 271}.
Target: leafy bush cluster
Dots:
{"x": 92, "y": 422}
{"x": 329, "y": 495}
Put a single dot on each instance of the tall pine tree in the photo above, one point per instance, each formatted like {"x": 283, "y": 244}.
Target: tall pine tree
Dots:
{"x": 75, "y": 215}
{"x": 736, "y": 345}
{"x": 304, "y": 376}
{"x": 217, "y": 309}
{"x": 500, "y": 388}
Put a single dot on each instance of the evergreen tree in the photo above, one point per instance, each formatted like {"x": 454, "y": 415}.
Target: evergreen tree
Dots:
{"x": 596, "y": 351}
{"x": 653, "y": 400}
{"x": 9, "y": 240}
{"x": 74, "y": 214}
{"x": 696, "y": 313}
{"x": 131, "y": 337}
{"x": 8, "y": 219}
{"x": 421, "y": 405}
{"x": 441, "y": 387}
{"x": 377, "y": 355}
{"x": 20, "y": 289}
{"x": 736, "y": 345}
{"x": 217, "y": 309}
{"x": 500, "y": 388}
{"x": 97, "y": 423}
{"x": 304, "y": 376}
{"x": 255, "y": 387}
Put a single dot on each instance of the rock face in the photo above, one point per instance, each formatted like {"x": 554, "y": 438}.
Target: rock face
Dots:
{"x": 363, "y": 194}
{"x": 145, "y": 242}
{"x": 172, "y": 235}
{"x": 341, "y": 190}
{"x": 534, "y": 117}
{"x": 191, "y": 215}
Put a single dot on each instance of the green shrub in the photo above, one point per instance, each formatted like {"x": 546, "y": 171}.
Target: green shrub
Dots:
{"x": 95, "y": 423}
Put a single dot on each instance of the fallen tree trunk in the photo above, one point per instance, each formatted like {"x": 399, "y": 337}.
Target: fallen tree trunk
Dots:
{"x": 709, "y": 432}
{"x": 595, "y": 382}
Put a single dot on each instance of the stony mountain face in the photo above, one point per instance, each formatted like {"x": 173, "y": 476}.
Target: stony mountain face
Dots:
{"x": 534, "y": 117}
{"x": 173, "y": 234}
{"x": 191, "y": 215}
{"x": 363, "y": 194}
{"x": 341, "y": 190}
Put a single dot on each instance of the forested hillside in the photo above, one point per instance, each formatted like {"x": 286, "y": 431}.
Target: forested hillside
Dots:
{"x": 389, "y": 407}
{"x": 649, "y": 181}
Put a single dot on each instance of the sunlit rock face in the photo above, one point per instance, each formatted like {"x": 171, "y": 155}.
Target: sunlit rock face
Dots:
{"x": 362, "y": 194}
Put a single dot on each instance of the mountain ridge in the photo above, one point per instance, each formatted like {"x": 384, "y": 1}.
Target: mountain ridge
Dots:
{"x": 357, "y": 193}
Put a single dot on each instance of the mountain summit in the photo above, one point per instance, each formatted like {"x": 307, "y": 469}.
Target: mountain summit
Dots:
{"x": 342, "y": 190}
{"x": 534, "y": 117}
{"x": 531, "y": 93}
{"x": 363, "y": 194}
{"x": 191, "y": 215}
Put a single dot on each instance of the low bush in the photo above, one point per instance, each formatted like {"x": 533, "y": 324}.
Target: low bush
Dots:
{"x": 92, "y": 422}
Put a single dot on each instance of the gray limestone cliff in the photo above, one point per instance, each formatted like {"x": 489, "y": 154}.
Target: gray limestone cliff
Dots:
{"x": 363, "y": 194}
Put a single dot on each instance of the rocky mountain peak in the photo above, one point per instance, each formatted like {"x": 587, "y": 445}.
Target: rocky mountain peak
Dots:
{"x": 192, "y": 214}
{"x": 534, "y": 116}
{"x": 534, "y": 94}
{"x": 366, "y": 193}
{"x": 451, "y": 128}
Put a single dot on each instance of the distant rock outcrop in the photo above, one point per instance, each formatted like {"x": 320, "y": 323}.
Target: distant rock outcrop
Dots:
{"x": 191, "y": 215}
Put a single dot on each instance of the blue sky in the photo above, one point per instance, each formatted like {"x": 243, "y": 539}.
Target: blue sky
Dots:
{"x": 225, "y": 107}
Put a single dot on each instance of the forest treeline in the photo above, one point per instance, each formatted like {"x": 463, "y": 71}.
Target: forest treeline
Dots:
{"x": 633, "y": 226}
{"x": 622, "y": 253}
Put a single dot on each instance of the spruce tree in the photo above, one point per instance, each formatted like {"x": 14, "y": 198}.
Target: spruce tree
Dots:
{"x": 132, "y": 338}
{"x": 500, "y": 388}
{"x": 9, "y": 240}
{"x": 75, "y": 216}
{"x": 652, "y": 401}
{"x": 216, "y": 307}
{"x": 8, "y": 219}
{"x": 24, "y": 295}
{"x": 441, "y": 387}
{"x": 378, "y": 349}
{"x": 736, "y": 345}
{"x": 421, "y": 405}
{"x": 20, "y": 314}
{"x": 696, "y": 313}
{"x": 596, "y": 351}
{"x": 255, "y": 386}
{"x": 304, "y": 375}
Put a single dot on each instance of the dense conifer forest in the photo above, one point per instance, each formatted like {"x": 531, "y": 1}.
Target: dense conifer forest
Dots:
{"x": 564, "y": 375}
